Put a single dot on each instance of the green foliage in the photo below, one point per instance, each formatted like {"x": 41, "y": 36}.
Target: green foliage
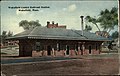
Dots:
{"x": 88, "y": 28}
{"x": 27, "y": 25}
{"x": 92, "y": 20}
{"x": 10, "y": 34}
{"x": 24, "y": 24}
{"x": 107, "y": 19}
{"x": 5, "y": 35}
{"x": 114, "y": 35}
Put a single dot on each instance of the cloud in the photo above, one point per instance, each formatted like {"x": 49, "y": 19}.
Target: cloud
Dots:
{"x": 21, "y": 12}
{"x": 64, "y": 9}
{"x": 11, "y": 24}
{"x": 72, "y": 8}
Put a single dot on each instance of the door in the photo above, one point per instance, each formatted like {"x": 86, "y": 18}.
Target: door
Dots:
{"x": 89, "y": 49}
{"x": 49, "y": 50}
{"x": 81, "y": 48}
{"x": 67, "y": 50}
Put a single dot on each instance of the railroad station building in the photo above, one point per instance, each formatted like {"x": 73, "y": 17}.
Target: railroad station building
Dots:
{"x": 56, "y": 40}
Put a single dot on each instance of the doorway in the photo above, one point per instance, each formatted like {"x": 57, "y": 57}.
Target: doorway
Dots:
{"x": 67, "y": 50}
{"x": 89, "y": 49}
{"x": 81, "y": 48}
{"x": 49, "y": 50}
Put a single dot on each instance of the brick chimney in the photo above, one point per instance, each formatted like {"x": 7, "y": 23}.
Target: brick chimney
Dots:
{"x": 57, "y": 24}
{"x": 53, "y": 25}
{"x": 48, "y": 23}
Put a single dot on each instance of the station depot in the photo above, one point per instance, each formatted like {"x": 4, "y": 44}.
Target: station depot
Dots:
{"x": 56, "y": 40}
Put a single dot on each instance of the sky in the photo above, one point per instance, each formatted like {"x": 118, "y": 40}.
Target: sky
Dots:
{"x": 62, "y": 12}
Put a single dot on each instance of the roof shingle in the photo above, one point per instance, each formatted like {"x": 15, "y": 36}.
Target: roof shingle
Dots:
{"x": 58, "y": 33}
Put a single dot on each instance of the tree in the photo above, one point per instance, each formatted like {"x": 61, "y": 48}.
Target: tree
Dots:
{"x": 114, "y": 35}
{"x": 4, "y": 36}
{"x": 27, "y": 25}
{"x": 92, "y": 20}
{"x": 10, "y": 34}
{"x": 34, "y": 24}
{"x": 88, "y": 28}
{"x": 107, "y": 19}
{"x": 4, "y": 33}
{"x": 24, "y": 24}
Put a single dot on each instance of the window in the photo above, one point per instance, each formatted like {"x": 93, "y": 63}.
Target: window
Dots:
{"x": 58, "y": 46}
{"x": 38, "y": 46}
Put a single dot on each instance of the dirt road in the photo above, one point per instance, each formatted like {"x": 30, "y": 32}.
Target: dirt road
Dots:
{"x": 108, "y": 65}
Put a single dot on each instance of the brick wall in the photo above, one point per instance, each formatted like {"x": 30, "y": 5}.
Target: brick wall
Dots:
{"x": 27, "y": 48}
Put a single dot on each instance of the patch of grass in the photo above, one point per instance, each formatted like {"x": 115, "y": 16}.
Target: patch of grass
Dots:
{"x": 2, "y": 53}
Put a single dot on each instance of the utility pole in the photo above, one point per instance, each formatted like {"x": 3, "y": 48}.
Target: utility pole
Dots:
{"x": 119, "y": 26}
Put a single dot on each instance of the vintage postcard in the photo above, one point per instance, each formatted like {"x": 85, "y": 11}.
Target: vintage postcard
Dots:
{"x": 70, "y": 37}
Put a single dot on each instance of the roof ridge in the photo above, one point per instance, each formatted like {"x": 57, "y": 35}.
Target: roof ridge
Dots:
{"x": 79, "y": 34}
{"x": 33, "y": 30}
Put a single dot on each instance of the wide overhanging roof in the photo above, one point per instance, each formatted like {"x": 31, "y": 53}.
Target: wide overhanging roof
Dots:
{"x": 57, "y": 34}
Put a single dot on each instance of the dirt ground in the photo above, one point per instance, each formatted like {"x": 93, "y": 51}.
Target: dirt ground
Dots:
{"x": 107, "y": 65}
